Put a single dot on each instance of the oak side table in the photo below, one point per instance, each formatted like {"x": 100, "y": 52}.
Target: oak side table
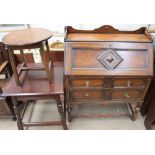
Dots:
{"x": 29, "y": 39}
{"x": 36, "y": 87}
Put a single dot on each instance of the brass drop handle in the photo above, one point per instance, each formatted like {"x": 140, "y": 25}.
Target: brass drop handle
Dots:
{"x": 129, "y": 83}
{"x": 87, "y": 83}
{"x": 127, "y": 95}
{"x": 86, "y": 95}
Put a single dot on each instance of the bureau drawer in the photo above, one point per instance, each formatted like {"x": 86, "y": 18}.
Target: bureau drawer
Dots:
{"x": 129, "y": 82}
{"x": 87, "y": 83}
{"x": 87, "y": 95}
{"x": 126, "y": 94}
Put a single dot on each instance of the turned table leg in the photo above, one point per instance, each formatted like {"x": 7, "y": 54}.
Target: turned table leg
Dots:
{"x": 61, "y": 112}
{"x": 10, "y": 105}
{"x": 135, "y": 109}
{"x": 69, "y": 111}
{"x": 17, "y": 113}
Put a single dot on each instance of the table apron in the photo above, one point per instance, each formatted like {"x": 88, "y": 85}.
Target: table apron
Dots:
{"x": 39, "y": 97}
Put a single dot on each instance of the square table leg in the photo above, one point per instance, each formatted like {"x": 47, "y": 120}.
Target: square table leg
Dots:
{"x": 23, "y": 57}
{"x": 49, "y": 59}
{"x": 13, "y": 64}
{"x": 45, "y": 62}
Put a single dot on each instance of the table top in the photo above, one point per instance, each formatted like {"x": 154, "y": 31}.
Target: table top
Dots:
{"x": 36, "y": 83}
{"x": 26, "y": 36}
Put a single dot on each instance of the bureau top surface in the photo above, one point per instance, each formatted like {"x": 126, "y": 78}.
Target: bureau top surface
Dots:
{"x": 108, "y": 37}
{"x": 107, "y": 33}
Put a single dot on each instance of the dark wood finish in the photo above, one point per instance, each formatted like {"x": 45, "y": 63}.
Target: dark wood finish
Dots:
{"x": 148, "y": 108}
{"x": 28, "y": 56}
{"x": 149, "y": 95}
{"x": 130, "y": 82}
{"x": 57, "y": 56}
{"x": 6, "y": 106}
{"x": 87, "y": 82}
{"x": 29, "y": 39}
{"x": 87, "y": 95}
{"x": 5, "y": 67}
{"x": 108, "y": 37}
{"x": 106, "y": 29}
{"x": 126, "y": 94}
{"x": 108, "y": 66}
{"x": 36, "y": 87}
{"x": 137, "y": 61}
{"x": 108, "y": 34}
{"x": 150, "y": 112}
{"x": 3, "y": 53}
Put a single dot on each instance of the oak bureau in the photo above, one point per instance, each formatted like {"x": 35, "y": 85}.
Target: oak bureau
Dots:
{"x": 106, "y": 65}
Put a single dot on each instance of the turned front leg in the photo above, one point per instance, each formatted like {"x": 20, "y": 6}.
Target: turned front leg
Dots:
{"x": 61, "y": 112}
{"x": 69, "y": 111}
{"x": 17, "y": 113}
{"x": 135, "y": 109}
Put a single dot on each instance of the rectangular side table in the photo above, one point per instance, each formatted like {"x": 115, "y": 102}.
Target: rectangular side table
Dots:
{"x": 36, "y": 87}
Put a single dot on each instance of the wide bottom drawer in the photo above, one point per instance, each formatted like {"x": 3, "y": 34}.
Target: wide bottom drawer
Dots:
{"x": 126, "y": 94}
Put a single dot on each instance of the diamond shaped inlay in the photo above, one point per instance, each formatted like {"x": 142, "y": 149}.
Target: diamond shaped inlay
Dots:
{"x": 110, "y": 59}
